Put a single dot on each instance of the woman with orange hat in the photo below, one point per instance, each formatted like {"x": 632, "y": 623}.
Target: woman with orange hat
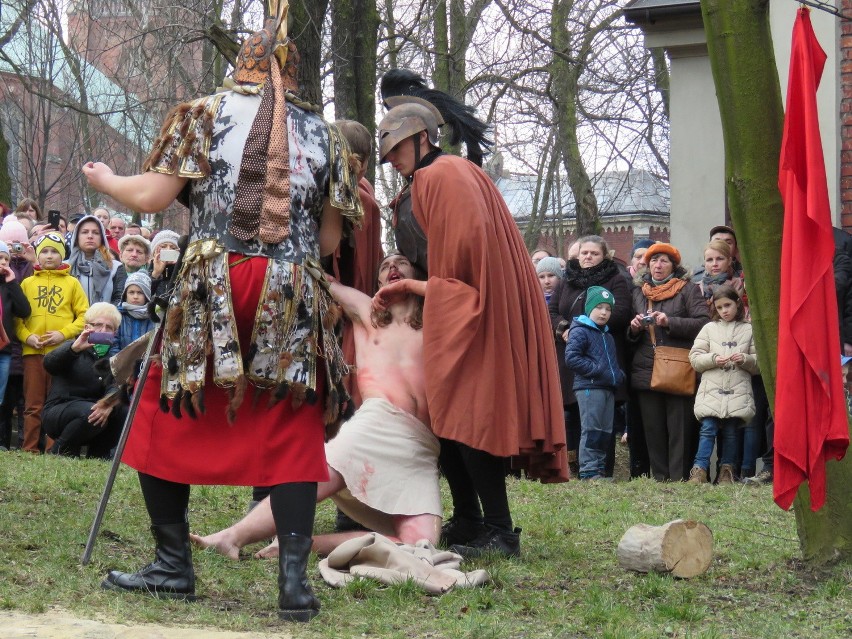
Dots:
{"x": 666, "y": 300}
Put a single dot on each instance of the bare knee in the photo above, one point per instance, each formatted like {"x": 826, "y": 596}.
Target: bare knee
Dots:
{"x": 411, "y": 529}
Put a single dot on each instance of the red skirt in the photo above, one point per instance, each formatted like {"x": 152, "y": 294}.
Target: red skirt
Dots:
{"x": 263, "y": 447}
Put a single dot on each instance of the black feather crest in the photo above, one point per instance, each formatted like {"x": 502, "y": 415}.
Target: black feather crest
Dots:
{"x": 461, "y": 118}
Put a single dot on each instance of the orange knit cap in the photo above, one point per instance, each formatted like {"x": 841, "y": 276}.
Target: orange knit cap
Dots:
{"x": 661, "y": 247}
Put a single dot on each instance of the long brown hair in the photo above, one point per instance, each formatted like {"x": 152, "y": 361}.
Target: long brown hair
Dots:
{"x": 380, "y": 319}
{"x": 29, "y": 203}
{"x": 726, "y": 292}
{"x": 360, "y": 144}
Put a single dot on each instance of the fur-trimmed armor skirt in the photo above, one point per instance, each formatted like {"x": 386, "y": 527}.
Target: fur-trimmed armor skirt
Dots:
{"x": 261, "y": 397}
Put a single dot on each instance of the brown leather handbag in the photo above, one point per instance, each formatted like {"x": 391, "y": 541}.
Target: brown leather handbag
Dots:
{"x": 672, "y": 372}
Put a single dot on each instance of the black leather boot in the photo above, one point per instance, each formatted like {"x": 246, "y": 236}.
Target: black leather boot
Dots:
{"x": 170, "y": 575}
{"x": 296, "y": 600}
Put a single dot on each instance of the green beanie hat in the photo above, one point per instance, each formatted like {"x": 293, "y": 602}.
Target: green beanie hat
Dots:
{"x": 598, "y": 295}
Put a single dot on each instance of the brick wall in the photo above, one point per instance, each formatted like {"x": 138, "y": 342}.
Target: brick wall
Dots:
{"x": 846, "y": 116}
{"x": 619, "y": 238}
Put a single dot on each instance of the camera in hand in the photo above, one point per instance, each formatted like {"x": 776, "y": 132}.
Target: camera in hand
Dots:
{"x": 16, "y": 247}
{"x": 169, "y": 256}
{"x": 101, "y": 338}
{"x": 648, "y": 319}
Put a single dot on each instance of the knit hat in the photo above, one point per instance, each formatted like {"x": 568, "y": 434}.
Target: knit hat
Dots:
{"x": 662, "y": 247}
{"x": 13, "y": 231}
{"x": 549, "y": 265}
{"x": 597, "y": 295}
{"x": 164, "y": 236}
{"x": 642, "y": 244}
{"x": 140, "y": 279}
{"x": 50, "y": 239}
{"x": 134, "y": 238}
{"x": 4, "y": 248}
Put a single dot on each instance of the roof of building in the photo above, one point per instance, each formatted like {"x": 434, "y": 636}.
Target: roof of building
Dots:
{"x": 649, "y": 11}
{"x": 35, "y": 52}
{"x": 617, "y": 192}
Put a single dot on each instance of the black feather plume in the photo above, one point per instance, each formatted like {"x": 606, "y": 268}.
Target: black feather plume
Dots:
{"x": 461, "y": 118}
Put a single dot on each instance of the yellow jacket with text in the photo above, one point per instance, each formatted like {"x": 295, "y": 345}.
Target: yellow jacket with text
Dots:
{"x": 58, "y": 303}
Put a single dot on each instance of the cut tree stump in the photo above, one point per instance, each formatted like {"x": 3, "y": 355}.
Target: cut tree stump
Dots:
{"x": 683, "y": 548}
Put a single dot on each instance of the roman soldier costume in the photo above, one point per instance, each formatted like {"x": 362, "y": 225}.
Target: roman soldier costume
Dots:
{"x": 251, "y": 372}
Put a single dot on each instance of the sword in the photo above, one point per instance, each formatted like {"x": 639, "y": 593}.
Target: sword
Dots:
{"x": 153, "y": 341}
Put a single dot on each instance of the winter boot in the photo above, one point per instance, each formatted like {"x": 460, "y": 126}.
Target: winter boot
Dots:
{"x": 726, "y": 474}
{"x": 170, "y": 575}
{"x": 460, "y": 530}
{"x": 296, "y": 600}
{"x": 494, "y": 541}
{"x": 697, "y": 475}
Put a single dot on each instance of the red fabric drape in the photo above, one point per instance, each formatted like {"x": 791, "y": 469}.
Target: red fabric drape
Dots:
{"x": 810, "y": 412}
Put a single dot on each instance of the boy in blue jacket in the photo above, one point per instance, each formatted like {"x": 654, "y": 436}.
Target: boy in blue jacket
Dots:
{"x": 590, "y": 354}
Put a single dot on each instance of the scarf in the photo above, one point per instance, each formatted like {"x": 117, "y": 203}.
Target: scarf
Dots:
{"x": 100, "y": 349}
{"x": 136, "y": 311}
{"x": 663, "y": 291}
{"x": 709, "y": 283}
{"x": 596, "y": 275}
{"x": 98, "y": 277}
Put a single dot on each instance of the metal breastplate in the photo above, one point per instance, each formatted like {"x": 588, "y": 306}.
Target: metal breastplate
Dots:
{"x": 410, "y": 238}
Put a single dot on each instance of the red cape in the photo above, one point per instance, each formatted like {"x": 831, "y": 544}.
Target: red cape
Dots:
{"x": 490, "y": 362}
{"x": 810, "y": 410}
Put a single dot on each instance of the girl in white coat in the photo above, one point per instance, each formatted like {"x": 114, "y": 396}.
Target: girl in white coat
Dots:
{"x": 725, "y": 356}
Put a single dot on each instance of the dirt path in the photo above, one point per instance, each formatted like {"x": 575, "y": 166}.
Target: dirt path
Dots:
{"x": 57, "y": 624}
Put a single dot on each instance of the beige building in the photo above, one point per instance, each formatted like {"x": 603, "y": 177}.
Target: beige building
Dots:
{"x": 696, "y": 160}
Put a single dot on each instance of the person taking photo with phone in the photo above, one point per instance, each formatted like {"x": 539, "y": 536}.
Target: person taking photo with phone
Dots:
{"x": 164, "y": 256}
{"x": 83, "y": 407}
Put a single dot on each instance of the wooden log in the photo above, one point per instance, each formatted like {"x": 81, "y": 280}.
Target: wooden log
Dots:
{"x": 683, "y": 548}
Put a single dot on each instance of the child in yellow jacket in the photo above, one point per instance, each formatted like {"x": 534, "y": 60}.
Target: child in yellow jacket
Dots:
{"x": 58, "y": 304}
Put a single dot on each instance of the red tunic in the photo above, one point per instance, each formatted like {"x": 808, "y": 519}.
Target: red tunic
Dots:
{"x": 491, "y": 376}
{"x": 263, "y": 447}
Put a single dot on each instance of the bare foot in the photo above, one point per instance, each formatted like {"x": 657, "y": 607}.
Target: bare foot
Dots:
{"x": 219, "y": 542}
{"x": 270, "y": 552}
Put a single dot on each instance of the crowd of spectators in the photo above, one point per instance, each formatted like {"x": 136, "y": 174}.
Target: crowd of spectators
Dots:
{"x": 72, "y": 291}
{"x": 655, "y": 299}
{"x": 94, "y": 259}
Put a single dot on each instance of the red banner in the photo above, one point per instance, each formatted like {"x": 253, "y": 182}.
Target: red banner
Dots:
{"x": 810, "y": 411}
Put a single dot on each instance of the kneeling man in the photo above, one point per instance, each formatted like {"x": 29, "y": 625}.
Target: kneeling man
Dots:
{"x": 383, "y": 466}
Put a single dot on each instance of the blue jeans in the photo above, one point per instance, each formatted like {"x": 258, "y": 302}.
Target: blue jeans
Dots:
{"x": 597, "y": 407}
{"x": 5, "y": 363}
{"x": 707, "y": 439}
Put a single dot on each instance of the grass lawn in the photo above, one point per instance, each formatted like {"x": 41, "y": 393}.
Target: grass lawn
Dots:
{"x": 566, "y": 584}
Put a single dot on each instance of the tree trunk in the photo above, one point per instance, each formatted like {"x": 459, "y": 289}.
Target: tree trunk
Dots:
{"x": 826, "y": 535}
{"x": 741, "y": 54}
{"x": 305, "y": 28}
{"x": 354, "y": 27}
{"x": 5, "y": 179}
{"x": 749, "y": 95}
{"x": 565, "y": 94}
